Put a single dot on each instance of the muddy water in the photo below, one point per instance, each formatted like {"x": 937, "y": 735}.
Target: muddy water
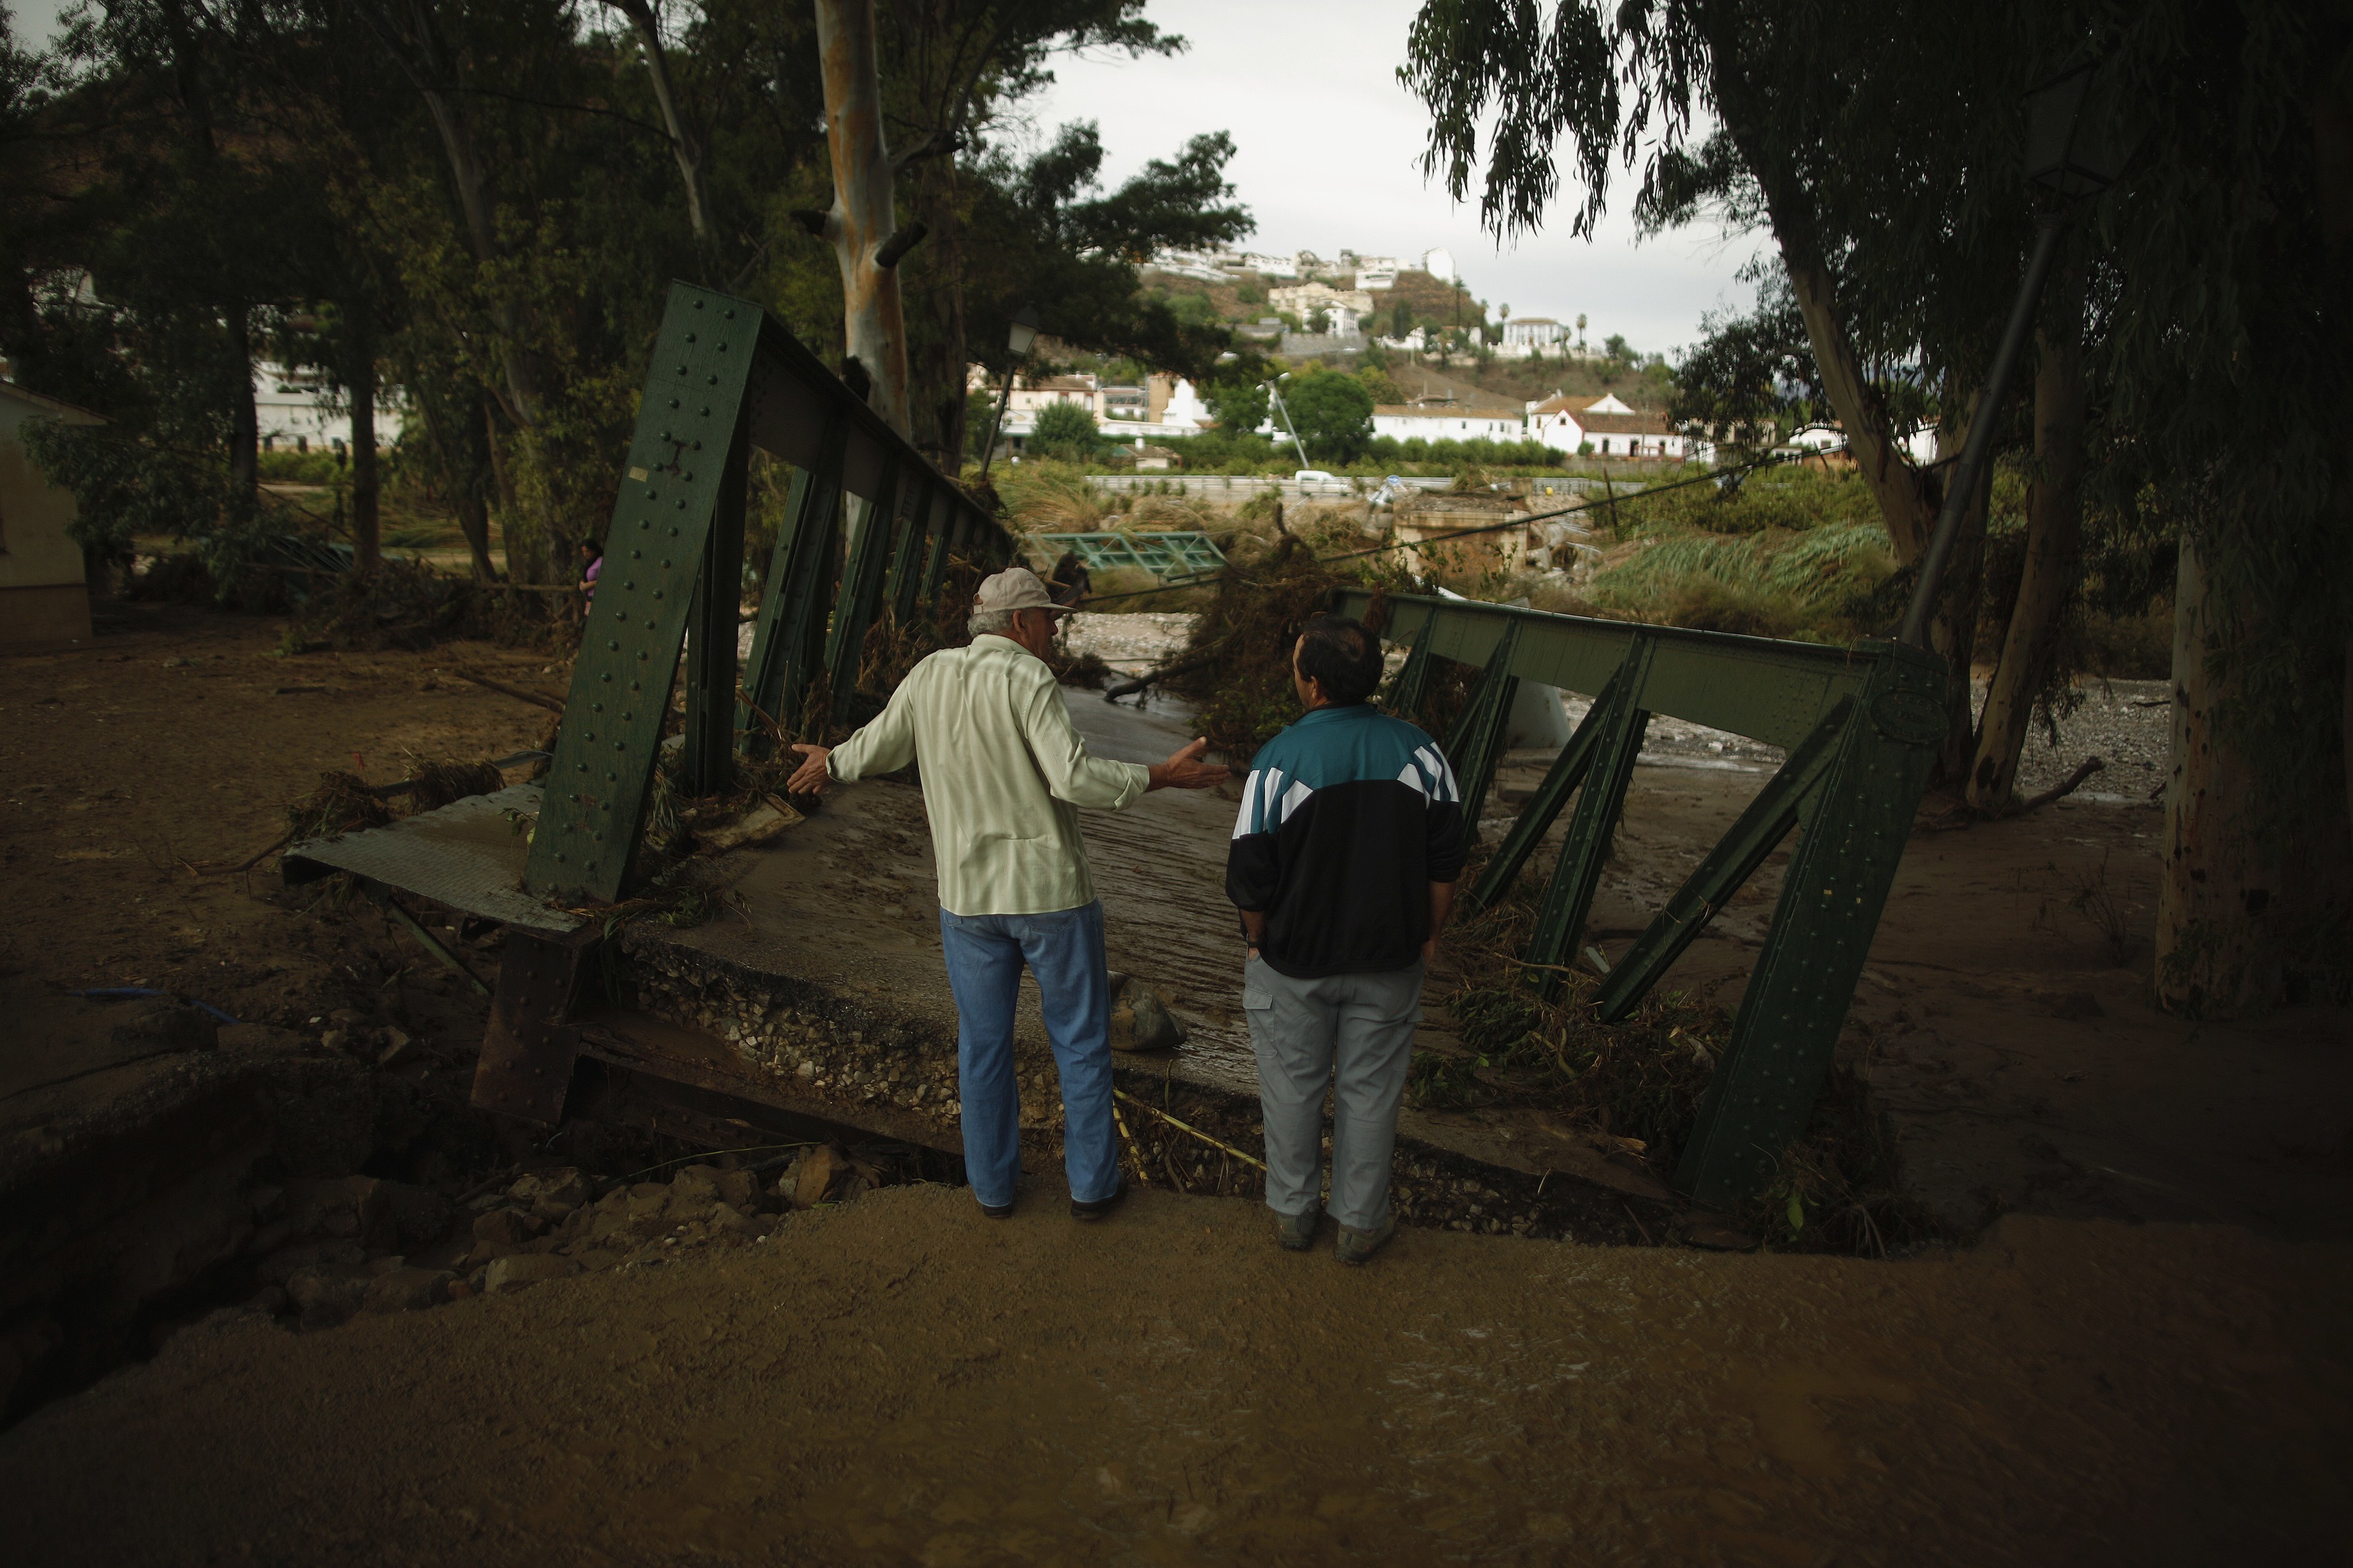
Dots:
{"x": 903, "y": 1382}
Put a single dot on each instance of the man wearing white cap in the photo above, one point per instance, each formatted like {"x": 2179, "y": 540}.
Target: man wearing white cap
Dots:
{"x": 1003, "y": 774}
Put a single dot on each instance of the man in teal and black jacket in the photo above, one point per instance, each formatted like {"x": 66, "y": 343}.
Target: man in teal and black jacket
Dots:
{"x": 1343, "y": 865}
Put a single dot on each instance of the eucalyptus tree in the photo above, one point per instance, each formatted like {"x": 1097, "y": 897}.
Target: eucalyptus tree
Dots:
{"x": 2196, "y": 341}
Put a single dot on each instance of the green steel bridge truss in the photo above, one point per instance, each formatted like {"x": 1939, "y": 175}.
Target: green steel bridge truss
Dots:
{"x": 1860, "y": 727}
{"x": 1173, "y": 554}
{"x": 868, "y": 528}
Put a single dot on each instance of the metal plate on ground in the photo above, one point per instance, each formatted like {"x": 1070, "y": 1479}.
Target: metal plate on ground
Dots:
{"x": 468, "y": 855}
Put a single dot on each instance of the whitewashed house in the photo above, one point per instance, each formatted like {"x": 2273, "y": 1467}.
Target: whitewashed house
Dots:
{"x": 1533, "y": 333}
{"x": 1449, "y": 422}
{"x": 1607, "y": 428}
{"x": 1304, "y": 299}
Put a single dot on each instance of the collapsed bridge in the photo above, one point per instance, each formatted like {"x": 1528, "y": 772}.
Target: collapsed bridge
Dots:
{"x": 814, "y": 1000}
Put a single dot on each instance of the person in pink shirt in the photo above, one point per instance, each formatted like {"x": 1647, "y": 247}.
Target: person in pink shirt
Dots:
{"x": 592, "y": 564}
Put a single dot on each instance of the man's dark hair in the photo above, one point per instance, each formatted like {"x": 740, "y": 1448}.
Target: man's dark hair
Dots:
{"x": 1339, "y": 655}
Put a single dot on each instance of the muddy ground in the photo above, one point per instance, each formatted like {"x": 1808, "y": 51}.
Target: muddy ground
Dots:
{"x": 892, "y": 1380}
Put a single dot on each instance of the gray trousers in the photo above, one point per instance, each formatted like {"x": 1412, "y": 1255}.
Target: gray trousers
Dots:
{"x": 1303, "y": 1029}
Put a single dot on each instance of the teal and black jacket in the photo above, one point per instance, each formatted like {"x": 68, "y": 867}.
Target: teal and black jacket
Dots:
{"x": 1347, "y": 817}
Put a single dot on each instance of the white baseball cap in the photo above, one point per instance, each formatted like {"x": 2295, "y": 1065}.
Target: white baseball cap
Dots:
{"x": 1017, "y": 588}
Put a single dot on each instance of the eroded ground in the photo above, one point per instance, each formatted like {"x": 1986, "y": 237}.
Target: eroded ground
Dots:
{"x": 894, "y": 1381}
{"x": 899, "y": 1381}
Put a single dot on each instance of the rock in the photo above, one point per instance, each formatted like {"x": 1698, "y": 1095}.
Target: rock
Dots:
{"x": 333, "y": 1039}
{"x": 563, "y": 1187}
{"x": 351, "y": 1207}
{"x": 398, "y": 1050}
{"x": 725, "y": 1219}
{"x": 737, "y": 1189}
{"x": 597, "y": 1258}
{"x": 408, "y": 1290}
{"x": 820, "y": 1170}
{"x": 505, "y": 1227}
{"x": 506, "y": 1274}
{"x": 692, "y": 1190}
{"x": 328, "y": 1296}
{"x": 1140, "y": 1019}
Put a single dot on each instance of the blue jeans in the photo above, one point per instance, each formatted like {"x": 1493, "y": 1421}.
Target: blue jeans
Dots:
{"x": 1065, "y": 951}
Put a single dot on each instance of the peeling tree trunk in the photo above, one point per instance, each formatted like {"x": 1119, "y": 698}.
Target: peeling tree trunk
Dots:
{"x": 244, "y": 421}
{"x": 862, "y": 220}
{"x": 505, "y": 483}
{"x": 2054, "y": 558}
{"x": 682, "y": 145}
{"x": 2214, "y": 958}
{"x": 936, "y": 396}
{"x": 359, "y": 379}
{"x": 1907, "y": 498}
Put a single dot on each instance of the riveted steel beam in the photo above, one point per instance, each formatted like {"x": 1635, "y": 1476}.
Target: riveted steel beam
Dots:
{"x": 602, "y": 771}
{"x": 1569, "y": 898}
{"x": 1480, "y": 732}
{"x": 1560, "y": 781}
{"x": 862, "y": 594}
{"x": 707, "y": 755}
{"x": 1762, "y": 1094}
{"x": 1753, "y": 839}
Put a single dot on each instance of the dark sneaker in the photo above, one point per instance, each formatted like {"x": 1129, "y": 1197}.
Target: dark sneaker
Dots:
{"x": 1100, "y": 1207}
{"x": 1296, "y": 1231}
{"x": 1358, "y": 1245}
{"x": 997, "y": 1211}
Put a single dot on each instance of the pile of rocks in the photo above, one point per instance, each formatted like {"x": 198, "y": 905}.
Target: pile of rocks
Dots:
{"x": 360, "y": 1245}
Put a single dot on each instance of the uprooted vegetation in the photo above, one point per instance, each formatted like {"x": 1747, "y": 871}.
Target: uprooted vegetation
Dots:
{"x": 1638, "y": 1083}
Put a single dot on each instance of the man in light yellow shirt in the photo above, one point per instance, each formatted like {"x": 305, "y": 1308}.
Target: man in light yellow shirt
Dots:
{"x": 1004, "y": 775}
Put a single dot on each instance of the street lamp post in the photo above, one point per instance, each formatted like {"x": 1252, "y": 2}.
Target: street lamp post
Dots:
{"x": 1274, "y": 396}
{"x": 1023, "y": 333}
{"x": 2072, "y": 155}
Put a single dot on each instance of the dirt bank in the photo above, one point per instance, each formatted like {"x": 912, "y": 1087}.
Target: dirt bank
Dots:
{"x": 899, "y": 1381}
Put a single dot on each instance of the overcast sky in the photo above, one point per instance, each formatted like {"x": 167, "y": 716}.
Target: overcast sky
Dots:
{"x": 1327, "y": 153}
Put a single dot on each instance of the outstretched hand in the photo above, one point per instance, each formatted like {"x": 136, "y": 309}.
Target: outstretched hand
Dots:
{"x": 810, "y": 777}
{"x": 1186, "y": 770}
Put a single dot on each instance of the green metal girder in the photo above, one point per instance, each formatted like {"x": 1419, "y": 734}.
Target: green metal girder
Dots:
{"x": 723, "y": 378}
{"x": 861, "y": 595}
{"x": 907, "y": 559}
{"x": 944, "y": 540}
{"x": 1181, "y": 552}
{"x": 1560, "y": 780}
{"x": 1753, "y": 839}
{"x": 1405, "y": 697}
{"x": 1762, "y": 1094}
{"x": 1768, "y": 691}
{"x": 1569, "y": 898}
{"x": 1478, "y": 734}
{"x": 1862, "y": 726}
{"x": 602, "y": 771}
{"x": 708, "y": 755}
{"x": 763, "y": 673}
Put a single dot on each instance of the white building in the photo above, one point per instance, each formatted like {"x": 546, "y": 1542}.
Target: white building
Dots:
{"x": 1439, "y": 264}
{"x": 1533, "y": 332}
{"x": 1258, "y": 261}
{"x": 1201, "y": 264}
{"x": 299, "y": 408}
{"x": 1449, "y": 422}
{"x": 1372, "y": 271}
{"x": 1302, "y": 298}
{"x": 1607, "y": 428}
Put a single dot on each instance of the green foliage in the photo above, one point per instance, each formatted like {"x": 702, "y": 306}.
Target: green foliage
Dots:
{"x": 1332, "y": 413}
{"x": 1237, "y": 401}
{"x": 1065, "y": 433}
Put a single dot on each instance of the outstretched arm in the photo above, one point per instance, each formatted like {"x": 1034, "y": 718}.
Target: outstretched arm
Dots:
{"x": 1185, "y": 770}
